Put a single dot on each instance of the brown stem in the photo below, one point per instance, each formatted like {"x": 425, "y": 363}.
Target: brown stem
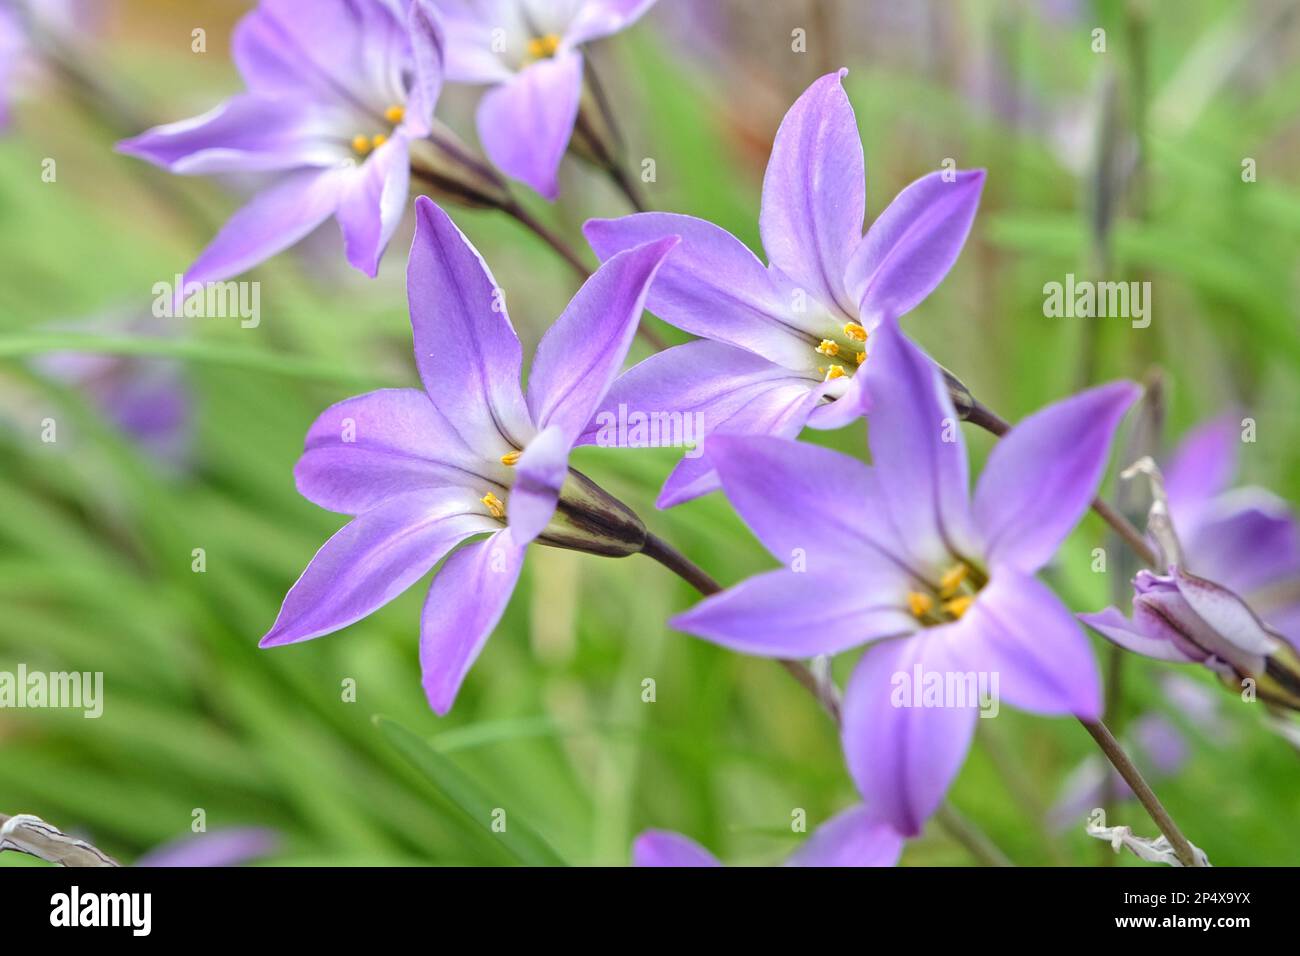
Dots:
{"x": 627, "y": 187}
{"x": 548, "y": 236}
{"x": 1120, "y": 761}
{"x": 970, "y": 836}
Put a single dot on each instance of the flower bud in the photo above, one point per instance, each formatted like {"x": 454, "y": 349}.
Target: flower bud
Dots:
{"x": 590, "y": 519}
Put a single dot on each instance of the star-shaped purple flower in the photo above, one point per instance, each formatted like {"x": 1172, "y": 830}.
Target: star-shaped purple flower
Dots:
{"x": 781, "y": 343}
{"x": 470, "y": 455}
{"x": 852, "y": 837}
{"x": 900, "y": 557}
{"x": 337, "y": 91}
{"x": 530, "y": 51}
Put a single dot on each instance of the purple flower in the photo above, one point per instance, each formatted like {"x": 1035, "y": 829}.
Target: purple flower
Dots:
{"x": 423, "y": 471}
{"x": 219, "y": 848}
{"x": 781, "y": 344}
{"x": 529, "y": 50}
{"x": 13, "y": 44}
{"x": 337, "y": 91}
{"x": 900, "y": 557}
{"x": 852, "y": 837}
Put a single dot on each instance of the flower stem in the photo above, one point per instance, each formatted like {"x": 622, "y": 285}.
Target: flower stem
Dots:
{"x": 682, "y": 566}
{"x": 548, "y": 236}
{"x": 970, "y": 836}
{"x": 1120, "y": 761}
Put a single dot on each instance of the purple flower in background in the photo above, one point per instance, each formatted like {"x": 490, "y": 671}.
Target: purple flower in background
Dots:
{"x": 852, "y": 837}
{"x": 219, "y": 848}
{"x": 529, "y": 51}
{"x": 781, "y": 344}
{"x": 900, "y": 557}
{"x": 337, "y": 91}
{"x": 423, "y": 471}
{"x": 12, "y": 45}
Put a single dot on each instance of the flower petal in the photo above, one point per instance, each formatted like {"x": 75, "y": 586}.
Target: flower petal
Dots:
{"x": 465, "y": 347}
{"x": 1042, "y": 476}
{"x": 853, "y": 837}
{"x": 787, "y": 613}
{"x": 904, "y": 758}
{"x": 373, "y": 202}
{"x": 1146, "y": 637}
{"x": 912, "y": 244}
{"x": 541, "y": 471}
{"x": 373, "y": 559}
{"x": 600, "y": 18}
{"x": 466, "y": 600}
{"x": 525, "y": 123}
{"x": 428, "y": 48}
{"x": 1200, "y": 468}
{"x": 580, "y": 355}
{"x": 814, "y": 193}
{"x": 665, "y": 848}
{"x": 376, "y": 446}
{"x": 1020, "y": 631}
{"x": 712, "y": 286}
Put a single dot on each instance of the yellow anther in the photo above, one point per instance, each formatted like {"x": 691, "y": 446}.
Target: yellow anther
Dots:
{"x": 919, "y": 604}
{"x": 834, "y": 372}
{"x": 495, "y": 505}
{"x": 859, "y": 357}
{"x": 959, "y": 605}
{"x": 828, "y": 347}
{"x": 361, "y": 144}
{"x": 541, "y": 47}
{"x": 856, "y": 332}
{"x": 379, "y": 139}
{"x": 952, "y": 579}
{"x": 510, "y": 457}
{"x": 395, "y": 114}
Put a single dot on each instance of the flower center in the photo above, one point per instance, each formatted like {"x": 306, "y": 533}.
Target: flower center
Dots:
{"x": 363, "y": 145}
{"x": 844, "y": 348}
{"x": 958, "y": 587}
{"x": 543, "y": 47}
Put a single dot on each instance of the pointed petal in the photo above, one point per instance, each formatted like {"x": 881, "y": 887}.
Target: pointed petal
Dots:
{"x": 712, "y": 286}
{"x": 466, "y": 600}
{"x": 1137, "y": 635}
{"x": 525, "y": 123}
{"x": 1201, "y": 467}
{"x": 814, "y": 193}
{"x": 428, "y": 48}
{"x": 373, "y": 203}
{"x": 904, "y": 758}
{"x": 788, "y": 613}
{"x": 581, "y": 354}
{"x": 541, "y": 471}
{"x": 600, "y": 18}
{"x": 465, "y": 347}
{"x": 373, "y": 559}
{"x": 665, "y": 848}
{"x": 917, "y": 445}
{"x": 470, "y": 31}
{"x": 376, "y": 446}
{"x": 1043, "y": 474}
{"x": 1020, "y": 631}
{"x": 274, "y": 220}
{"x": 853, "y": 837}
{"x": 1226, "y": 614}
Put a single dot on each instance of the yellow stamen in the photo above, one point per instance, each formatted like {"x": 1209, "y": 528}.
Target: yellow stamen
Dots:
{"x": 856, "y": 332}
{"x": 395, "y": 114}
{"x": 920, "y": 604}
{"x": 361, "y": 144}
{"x": 859, "y": 357}
{"x": 834, "y": 372}
{"x": 828, "y": 347}
{"x": 510, "y": 457}
{"x": 952, "y": 579}
{"x": 378, "y": 140}
{"x": 959, "y": 605}
{"x": 495, "y": 505}
{"x": 541, "y": 47}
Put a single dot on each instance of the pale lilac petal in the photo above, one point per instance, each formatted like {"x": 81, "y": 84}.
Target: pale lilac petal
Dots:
{"x": 853, "y": 837}
{"x": 428, "y": 51}
{"x": 904, "y": 758}
{"x": 247, "y": 133}
{"x": 469, "y": 28}
{"x": 540, "y": 473}
{"x": 917, "y": 445}
{"x": 1200, "y": 468}
{"x": 373, "y": 559}
{"x": 1042, "y": 476}
{"x": 376, "y": 446}
{"x": 912, "y": 244}
{"x": 1020, "y": 630}
{"x": 665, "y": 848}
{"x": 274, "y": 220}
{"x": 1137, "y": 636}
{"x": 466, "y": 350}
{"x": 853, "y": 403}
{"x": 600, "y": 18}
{"x": 787, "y": 613}
{"x": 216, "y": 849}
{"x": 814, "y": 193}
{"x": 525, "y": 123}
{"x": 583, "y": 351}
{"x": 466, "y": 600}
{"x": 373, "y": 203}
{"x": 1246, "y": 539}
{"x": 712, "y": 286}
{"x": 1226, "y": 614}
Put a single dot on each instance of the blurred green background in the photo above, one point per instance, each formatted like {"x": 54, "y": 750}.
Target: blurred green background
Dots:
{"x": 1127, "y": 161}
